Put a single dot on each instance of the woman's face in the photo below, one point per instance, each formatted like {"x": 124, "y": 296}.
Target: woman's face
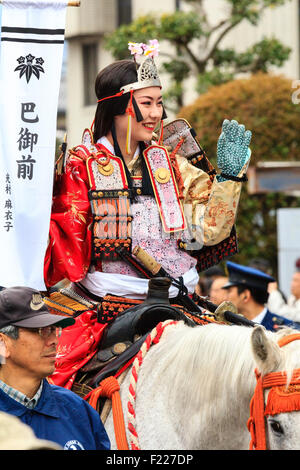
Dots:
{"x": 149, "y": 101}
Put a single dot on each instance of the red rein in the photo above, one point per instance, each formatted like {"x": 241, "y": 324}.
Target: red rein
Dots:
{"x": 281, "y": 399}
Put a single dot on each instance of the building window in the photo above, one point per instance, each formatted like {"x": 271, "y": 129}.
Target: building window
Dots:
{"x": 124, "y": 12}
{"x": 177, "y": 4}
{"x": 90, "y": 69}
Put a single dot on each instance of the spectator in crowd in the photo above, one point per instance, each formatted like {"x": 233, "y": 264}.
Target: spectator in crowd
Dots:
{"x": 28, "y": 337}
{"x": 201, "y": 287}
{"x": 206, "y": 279}
{"x": 289, "y": 308}
{"x": 217, "y": 294}
{"x": 247, "y": 289}
{"x": 277, "y": 301}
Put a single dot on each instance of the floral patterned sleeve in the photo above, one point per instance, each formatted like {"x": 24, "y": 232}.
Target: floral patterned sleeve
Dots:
{"x": 213, "y": 204}
{"x": 68, "y": 253}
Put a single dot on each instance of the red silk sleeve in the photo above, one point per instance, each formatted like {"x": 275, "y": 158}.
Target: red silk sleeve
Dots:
{"x": 68, "y": 254}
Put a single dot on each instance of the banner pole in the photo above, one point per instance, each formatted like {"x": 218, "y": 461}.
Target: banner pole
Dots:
{"x": 74, "y": 3}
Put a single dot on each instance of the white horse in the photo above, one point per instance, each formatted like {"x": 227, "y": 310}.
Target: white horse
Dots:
{"x": 195, "y": 385}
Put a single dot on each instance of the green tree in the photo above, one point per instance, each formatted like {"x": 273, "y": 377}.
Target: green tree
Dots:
{"x": 196, "y": 44}
{"x": 263, "y": 103}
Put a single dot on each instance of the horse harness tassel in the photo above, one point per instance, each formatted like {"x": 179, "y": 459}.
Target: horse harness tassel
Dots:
{"x": 281, "y": 399}
{"x": 109, "y": 387}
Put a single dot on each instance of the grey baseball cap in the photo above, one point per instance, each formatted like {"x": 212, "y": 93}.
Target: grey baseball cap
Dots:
{"x": 24, "y": 307}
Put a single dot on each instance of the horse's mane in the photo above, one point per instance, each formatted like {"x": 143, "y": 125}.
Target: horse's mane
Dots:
{"x": 206, "y": 362}
{"x": 206, "y": 353}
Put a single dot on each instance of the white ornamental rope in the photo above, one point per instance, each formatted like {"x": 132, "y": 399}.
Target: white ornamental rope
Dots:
{"x": 154, "y": 336}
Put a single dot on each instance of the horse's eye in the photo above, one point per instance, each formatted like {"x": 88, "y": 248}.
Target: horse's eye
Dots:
{"x": 276, "y": 427}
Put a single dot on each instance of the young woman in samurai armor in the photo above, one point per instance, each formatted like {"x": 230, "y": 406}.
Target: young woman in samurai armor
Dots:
{"x": 121, "y": 190}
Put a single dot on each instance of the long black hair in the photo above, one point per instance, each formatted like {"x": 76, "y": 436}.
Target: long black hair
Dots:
{"x": 108, "y": 83}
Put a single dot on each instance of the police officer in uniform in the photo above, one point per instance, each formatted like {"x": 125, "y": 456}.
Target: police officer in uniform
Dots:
{"x": 247, "y": 289}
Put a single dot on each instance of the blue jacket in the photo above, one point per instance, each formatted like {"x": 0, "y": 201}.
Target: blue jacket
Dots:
{"x": 61, "y": 416}
{"x": 271, "y": 321}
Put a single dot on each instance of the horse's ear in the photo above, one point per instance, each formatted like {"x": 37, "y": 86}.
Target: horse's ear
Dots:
{"x": 267, "y": 353}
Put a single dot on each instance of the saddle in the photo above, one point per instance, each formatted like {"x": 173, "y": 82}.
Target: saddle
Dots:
{"x": 124, "y": 336}
{"x": 144, "y": 317}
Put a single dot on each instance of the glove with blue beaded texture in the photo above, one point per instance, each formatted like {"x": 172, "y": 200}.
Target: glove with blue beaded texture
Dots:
{"x": 233, "y": 149}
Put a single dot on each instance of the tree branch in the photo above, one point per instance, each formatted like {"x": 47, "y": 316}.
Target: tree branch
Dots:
{"x": 219, "y": 39}
{"x": 230, "y": 26}
{"x": 199, "y": 63}
{"x": 218, "y": 26}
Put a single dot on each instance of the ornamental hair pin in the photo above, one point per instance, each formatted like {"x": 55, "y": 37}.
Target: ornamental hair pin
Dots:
{"x": 147, "y": 74}
{"x": 138, "y": 49}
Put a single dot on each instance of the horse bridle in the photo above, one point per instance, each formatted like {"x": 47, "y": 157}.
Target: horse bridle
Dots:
{"x": 281, "y": 399}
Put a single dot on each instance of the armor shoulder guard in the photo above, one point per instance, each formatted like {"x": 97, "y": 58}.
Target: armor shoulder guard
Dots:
{"x": 82, "y": 151}
{"x": 181, "y": 138}
{"x": 87, "y": 148}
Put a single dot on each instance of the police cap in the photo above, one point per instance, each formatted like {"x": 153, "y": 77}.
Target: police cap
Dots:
{"x": 246, "y": 276}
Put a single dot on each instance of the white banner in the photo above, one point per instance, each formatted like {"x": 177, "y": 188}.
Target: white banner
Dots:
{"x": 32, "y": 40}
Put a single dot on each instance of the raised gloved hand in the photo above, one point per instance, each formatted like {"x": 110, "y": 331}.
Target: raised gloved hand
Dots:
{"x": 233, "y": 149}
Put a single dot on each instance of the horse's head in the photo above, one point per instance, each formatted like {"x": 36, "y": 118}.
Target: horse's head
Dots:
{"x": 275, "y": 419}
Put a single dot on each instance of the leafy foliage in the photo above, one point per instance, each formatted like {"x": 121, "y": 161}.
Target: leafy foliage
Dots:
{"x": 263, "y": 103}
{"x": 195, "y": 44}
{"x": 141, "y": 30}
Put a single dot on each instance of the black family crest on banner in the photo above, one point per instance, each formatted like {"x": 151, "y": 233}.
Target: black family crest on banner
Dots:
{"x": 27, "y": 67}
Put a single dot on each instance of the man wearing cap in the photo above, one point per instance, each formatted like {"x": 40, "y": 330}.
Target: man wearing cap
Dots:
{"x": 247, "y": 289}
{"x": 28, "y": 340}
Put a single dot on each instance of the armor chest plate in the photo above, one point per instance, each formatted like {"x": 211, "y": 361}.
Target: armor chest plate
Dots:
{"x": 110, "y": 203}
{"x": 110, "y": 200}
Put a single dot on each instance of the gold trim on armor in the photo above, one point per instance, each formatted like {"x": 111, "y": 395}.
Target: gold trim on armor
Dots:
{"x": 162, "y": 175}
{"x": 106, "y": 170}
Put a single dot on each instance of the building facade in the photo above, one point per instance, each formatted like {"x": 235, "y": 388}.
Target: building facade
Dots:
{"x": 87, "y": 25}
